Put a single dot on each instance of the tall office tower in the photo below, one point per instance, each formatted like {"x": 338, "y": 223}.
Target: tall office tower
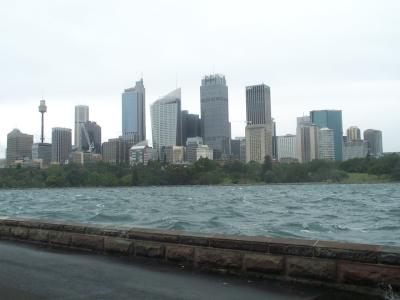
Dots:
{"x": 81, "y": 117}
{"x": 353, "y": 134}
{"x": 134, "y": 112}
{"x": 326, "y": 144}
{"x": 216, "y": 128}
{"x": 306, "y": 139}
{"x": 61, "y": 145}
{"x": 243, "y": 150}
{"x": 19, "y": 146}
{"x": 274, "y": 141}
{"x": 166, "y": 121}
{"x": 90, "y": 137}
{"x": 259, "y": 129}
{"x": 287, "y": 145}
{"x": 235, "y": 148}
{"x": 374, "y": 139}
{"x": 355, "y": 149}
{"x": 331, "y": 119}
{"x": 191, "y": 126}
{"x": 238, "y": 148}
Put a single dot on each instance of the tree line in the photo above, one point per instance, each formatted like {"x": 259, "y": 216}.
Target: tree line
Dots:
{"x": 203, "y": 172}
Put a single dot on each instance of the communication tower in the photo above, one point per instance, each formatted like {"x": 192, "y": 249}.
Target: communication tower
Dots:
{"x": 42, "y": 110}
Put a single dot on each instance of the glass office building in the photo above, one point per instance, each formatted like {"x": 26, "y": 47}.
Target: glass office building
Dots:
{"x": 331, "y": 119}
{"x": 134, "y": 112}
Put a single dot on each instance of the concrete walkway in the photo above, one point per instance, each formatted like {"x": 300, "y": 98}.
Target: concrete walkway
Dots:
{"x": 31, "y": 272}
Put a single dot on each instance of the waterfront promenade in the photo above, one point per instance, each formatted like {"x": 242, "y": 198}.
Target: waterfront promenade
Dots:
{"x": 32, "y": 272}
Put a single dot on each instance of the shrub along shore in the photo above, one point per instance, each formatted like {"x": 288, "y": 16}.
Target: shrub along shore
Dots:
{"x": 204, "y": 172}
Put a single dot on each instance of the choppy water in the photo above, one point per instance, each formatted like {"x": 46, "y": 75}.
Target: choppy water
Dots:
{"x": 357, "y": 213}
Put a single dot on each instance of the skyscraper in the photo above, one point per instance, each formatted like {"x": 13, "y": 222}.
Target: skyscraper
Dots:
{"x": 191, "y": 126}
{"x": 134, "y": 112}
{"x": 306, "y": 139}
{"x": 216, "y": 128}
{"x": 331, "y": 119}
{"x": 259, "y": 129}
{"x": 374, "y": 139}
{"x": 166, "y": 121}
{"x": 355, "y": 149}
{"x": 91, "y": 137}
{"x": 81, "y": 117}
{"x": 326, "y": 145}
{"x": 19, "y": 146}
{"x": 353, "y": 133}
{"x": 287, "y": 145}
{"x": 61, "y": 145}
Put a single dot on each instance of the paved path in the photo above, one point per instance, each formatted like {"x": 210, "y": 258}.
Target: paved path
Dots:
{"x": 31, "y": 272}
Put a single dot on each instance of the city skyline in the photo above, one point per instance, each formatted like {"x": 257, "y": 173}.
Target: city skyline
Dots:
{"x": 351, "y": 66}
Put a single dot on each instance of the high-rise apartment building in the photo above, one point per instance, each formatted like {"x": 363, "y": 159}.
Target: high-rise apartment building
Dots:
{"x": 191, "y": 126}
{"x": 134, "y": 112}
{"x": 331, "y": 119}
{"x": 19, "y": 146}
{"x": 216, "y": 128}
{"x": 81, "y": 117}
{"x": 374, "y": 139}
{"x": 61, "y": 145}
{"x": 287, "y": 145}
{"x": 326, "y": 144}
{"x": 259, "y": 129}
{"x": 353, "y": 133}
{"x": 166, "y": 121}
{"x": 90, "y": 137}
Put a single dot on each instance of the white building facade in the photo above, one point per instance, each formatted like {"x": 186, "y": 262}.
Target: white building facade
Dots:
{"x": 166, "y": 121}
{"x": 326, "y": 144}
{"x": 287, "y": 146}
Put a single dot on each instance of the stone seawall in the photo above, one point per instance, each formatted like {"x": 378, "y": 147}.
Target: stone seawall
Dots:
{"x": 356, "y": 267}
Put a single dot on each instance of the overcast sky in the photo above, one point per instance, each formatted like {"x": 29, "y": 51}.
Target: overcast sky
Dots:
{"x": 340, "y": 54}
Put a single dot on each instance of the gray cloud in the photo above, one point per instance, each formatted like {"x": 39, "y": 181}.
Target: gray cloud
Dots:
{"x": 313, "y": 54}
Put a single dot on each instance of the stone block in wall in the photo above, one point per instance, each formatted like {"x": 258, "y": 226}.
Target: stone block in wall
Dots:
{"x": 178, "y": 253}
{"x": 60, "y": 238}
{"x": 20, "y": 232}
{"x": 39, "y": 235}
{"x": 238, "y": 243}
{"x": 296, "y": 250}
{"x": 76, "y": 228}
{"x": 389, "y": 255}
{"x": 4, "y": 231}
{"x": 264, "y": 263}
{"x": 118, "y": 245}
{"x": 154, "y": 235}
{"x": 149, "y": 249}
{"x": 209, "y": 258}
{"x": 311, "y": 268}
{"x": 345, "y": 251}
{"x": 369, "y": 274}
{"x": 194, "y": 240}
{"x": 87, "y": 242}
